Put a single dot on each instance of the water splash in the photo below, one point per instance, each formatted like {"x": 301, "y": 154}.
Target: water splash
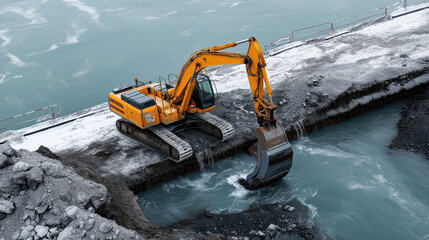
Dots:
{"x": 299, "y": 128}
{"x": 205, "y": 158}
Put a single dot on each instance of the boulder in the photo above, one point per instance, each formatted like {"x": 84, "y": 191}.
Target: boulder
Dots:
{"x": 66, "y": 234}
{"x": 7, "y": 186}
{"x": 272, "y": 228}
{"x": 105, "y": 227}
{"x": 72, "y": 212}
{"x": 7, "y": 150}
{"x": 6, "y": 207}
{"x": 53, "y": 169}
{"x": 41, "y": 209}
{"x": 41, "y": 231}
{"x": 26, "y": 232}
{"x": 5, "y": 161}
{"x": 28, "y": 179}
{"x": 21, "y": 167}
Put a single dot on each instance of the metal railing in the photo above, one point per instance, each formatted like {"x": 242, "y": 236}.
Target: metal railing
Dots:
{"x": 333, "y": 27}
{"x": 54, "y": 111}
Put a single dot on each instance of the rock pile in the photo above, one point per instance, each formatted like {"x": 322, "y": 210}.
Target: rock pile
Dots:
{"x": 42, "y": 199}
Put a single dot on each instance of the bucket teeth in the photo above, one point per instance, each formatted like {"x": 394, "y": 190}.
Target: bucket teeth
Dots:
{"x": 274, "y": 158}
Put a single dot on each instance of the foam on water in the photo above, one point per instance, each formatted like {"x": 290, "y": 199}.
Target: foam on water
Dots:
{"x": 239, "y": 191}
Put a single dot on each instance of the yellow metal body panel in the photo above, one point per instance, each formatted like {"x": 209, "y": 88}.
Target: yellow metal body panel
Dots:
{"x": 142, "y": 118}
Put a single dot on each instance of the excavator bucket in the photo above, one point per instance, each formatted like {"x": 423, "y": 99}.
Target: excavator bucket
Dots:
{"x": 274, "y": 158}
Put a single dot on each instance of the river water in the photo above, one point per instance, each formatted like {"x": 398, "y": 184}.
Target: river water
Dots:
{"x": 73, "y": 52}
{"x": 355, "y": 187}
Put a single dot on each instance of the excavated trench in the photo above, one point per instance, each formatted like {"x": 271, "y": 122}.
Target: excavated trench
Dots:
{"x": 166, "y": 170}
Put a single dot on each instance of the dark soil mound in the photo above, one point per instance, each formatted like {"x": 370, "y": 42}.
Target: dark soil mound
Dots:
{"x": 413, "y": 127}
{"x": 261, "y": 221}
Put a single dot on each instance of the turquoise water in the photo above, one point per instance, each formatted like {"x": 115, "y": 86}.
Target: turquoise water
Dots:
{"x": 73, "y": 52}
{"x": 355, "y": 186}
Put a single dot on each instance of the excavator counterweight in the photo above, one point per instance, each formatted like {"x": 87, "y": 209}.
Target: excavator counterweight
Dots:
{"x": 152, "y": 113}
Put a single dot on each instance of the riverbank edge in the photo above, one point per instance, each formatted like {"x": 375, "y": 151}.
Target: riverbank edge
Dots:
{"x": 353, "y": 102}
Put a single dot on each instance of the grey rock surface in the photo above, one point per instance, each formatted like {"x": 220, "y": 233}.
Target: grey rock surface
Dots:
{"x": 6, "y": 207}
{"x": 42, "y": 199}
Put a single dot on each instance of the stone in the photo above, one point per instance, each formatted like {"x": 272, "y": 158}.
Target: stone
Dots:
{"x": 90, "y": 224}
{"x": 272, "y": 227}
{"x": 82, "y": 198}
{"x": 41, "y": 231}
{"x": 5, "y": 161}
{"x": 260, "y": 234}
{"x": 41, "y": 209}
{"x": 21, "y": 167}
{"x": 66, "y": 234}
{"x": 253, "y": 233}
{"x": 53, "y": 169}
{"x": 81, "y": 224}
{"x": 31, "y": 214}
{"x": 72, "y": 211}
{"x": 15, "y": 236}
{"x": 29, "y": 179}
{"x": 26, "y": 232}
{"x": 7, "y": 150}
{"x": 105, "y": 227}
{"x": 54, "y": 232}
{"x": 8, "y": 186}
{"x": 53, "y": 221}
{"x": 291, "y": 209}
{"x": 6, "y": 207}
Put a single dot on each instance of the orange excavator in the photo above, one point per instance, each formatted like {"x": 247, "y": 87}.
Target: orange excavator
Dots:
{"x": 153, "y": 112}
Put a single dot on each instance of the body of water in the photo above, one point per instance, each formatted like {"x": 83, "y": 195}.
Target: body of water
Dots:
{"x": 73, "y": 52}
{"x": 355, "y": 186}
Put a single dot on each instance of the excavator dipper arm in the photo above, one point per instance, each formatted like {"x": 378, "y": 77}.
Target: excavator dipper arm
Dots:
{"x": 274, "y": 156}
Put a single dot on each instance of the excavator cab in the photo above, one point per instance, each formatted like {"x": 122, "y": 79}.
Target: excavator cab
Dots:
{"x": 203, "y": 94}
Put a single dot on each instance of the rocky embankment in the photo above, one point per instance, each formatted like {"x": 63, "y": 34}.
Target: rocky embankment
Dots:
{"x": 289, "y": 220}
{"x": 413, "y": 127}
{"x": 42, "y": 199}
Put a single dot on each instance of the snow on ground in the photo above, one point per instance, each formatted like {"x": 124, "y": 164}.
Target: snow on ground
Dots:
{"x": 76, "y": 135}
{"x": 344, "y": 52}
{"x": 378, "y": 52}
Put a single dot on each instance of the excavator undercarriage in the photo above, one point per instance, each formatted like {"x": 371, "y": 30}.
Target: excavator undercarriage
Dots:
{"x": 165, "y": 138}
